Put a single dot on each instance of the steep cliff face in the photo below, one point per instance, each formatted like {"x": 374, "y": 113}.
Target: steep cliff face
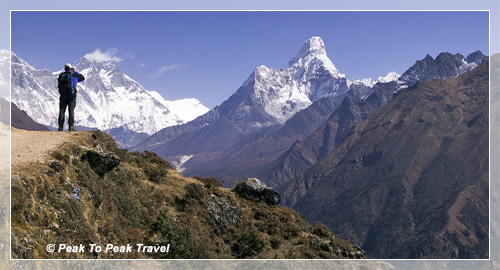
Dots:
{"x": 79, "y": 189}
{"x": 364, "y": 100}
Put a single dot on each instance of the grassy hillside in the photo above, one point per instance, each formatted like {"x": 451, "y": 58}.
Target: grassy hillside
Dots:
{"x": 87, "y": 191}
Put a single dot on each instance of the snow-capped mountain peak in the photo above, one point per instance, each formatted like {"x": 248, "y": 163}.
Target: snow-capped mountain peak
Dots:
{"x": 103, "y": 67}
{"x": 390, "y": 77}
{"x": 107, "y": 99}
{"x": 312, "y": 56}
{"x": 276, "y": 95}
{"x": 369, "y": 82}
{"x": 312, "y": 47}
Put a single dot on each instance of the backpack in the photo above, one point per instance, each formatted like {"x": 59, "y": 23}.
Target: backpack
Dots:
{"x": 65, "y": 84}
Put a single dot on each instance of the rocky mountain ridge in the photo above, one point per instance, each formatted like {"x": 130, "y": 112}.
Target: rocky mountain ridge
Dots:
{"x": 446, "y": 65}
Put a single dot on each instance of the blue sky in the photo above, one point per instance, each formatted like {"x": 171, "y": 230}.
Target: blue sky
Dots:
{"x": 208, "y": 55}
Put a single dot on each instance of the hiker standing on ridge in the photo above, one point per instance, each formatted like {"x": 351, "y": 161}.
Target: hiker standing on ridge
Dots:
{"x": 66, "y": 82}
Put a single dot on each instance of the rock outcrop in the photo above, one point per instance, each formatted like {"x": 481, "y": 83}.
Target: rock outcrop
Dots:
{"x": 101, "y": 163}
{"x": 254, "y": 189}
{"x": 222, "y": 211}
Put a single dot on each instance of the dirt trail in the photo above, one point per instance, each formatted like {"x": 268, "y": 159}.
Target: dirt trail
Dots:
{"x": 35, "y": 146}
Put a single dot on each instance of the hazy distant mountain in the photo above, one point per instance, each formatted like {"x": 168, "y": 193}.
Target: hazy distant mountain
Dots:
{"x": 247, "y": 156}
{"x": 4, "y": 111}
{"x": 411, "y": 181}
{"x": 107, "y": 99}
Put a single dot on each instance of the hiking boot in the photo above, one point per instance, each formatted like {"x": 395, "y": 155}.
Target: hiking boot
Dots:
{"x": 71, "y": 128}
{"x": 60, "y": 129}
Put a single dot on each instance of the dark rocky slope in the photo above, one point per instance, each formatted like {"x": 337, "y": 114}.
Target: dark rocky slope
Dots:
{"x": 411, "y": 181}
{"x": 305, "y": 152}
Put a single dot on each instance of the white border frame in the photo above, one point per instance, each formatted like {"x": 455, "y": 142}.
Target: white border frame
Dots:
{"x": 253, "y": 10}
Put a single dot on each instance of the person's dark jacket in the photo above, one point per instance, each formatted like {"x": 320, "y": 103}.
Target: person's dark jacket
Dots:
{"x": 77, "y": 77}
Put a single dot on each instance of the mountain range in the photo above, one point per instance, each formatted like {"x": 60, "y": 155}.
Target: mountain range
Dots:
{"x": 231, "y": 143}
{"x": 21, "y": 120}
{"x": 268, "y": 100}
{"x": 307, "y": 151}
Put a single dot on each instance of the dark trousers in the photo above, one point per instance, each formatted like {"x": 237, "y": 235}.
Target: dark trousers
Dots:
{"x": 70, "y": 102}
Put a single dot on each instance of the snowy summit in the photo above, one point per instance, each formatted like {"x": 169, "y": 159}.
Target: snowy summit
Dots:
{"x": 314, "y": 52}
{"x": 107, "y": 99}
{"x": 312, "y": 47}
{"x": 276, "y": 95}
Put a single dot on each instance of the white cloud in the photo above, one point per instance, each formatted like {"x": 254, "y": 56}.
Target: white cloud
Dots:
{"x": 108, "y": 56}
{"x": 165, "y": 69}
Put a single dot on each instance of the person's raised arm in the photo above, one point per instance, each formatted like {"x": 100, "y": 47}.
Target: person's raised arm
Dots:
{"x": 78, "y": 75}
